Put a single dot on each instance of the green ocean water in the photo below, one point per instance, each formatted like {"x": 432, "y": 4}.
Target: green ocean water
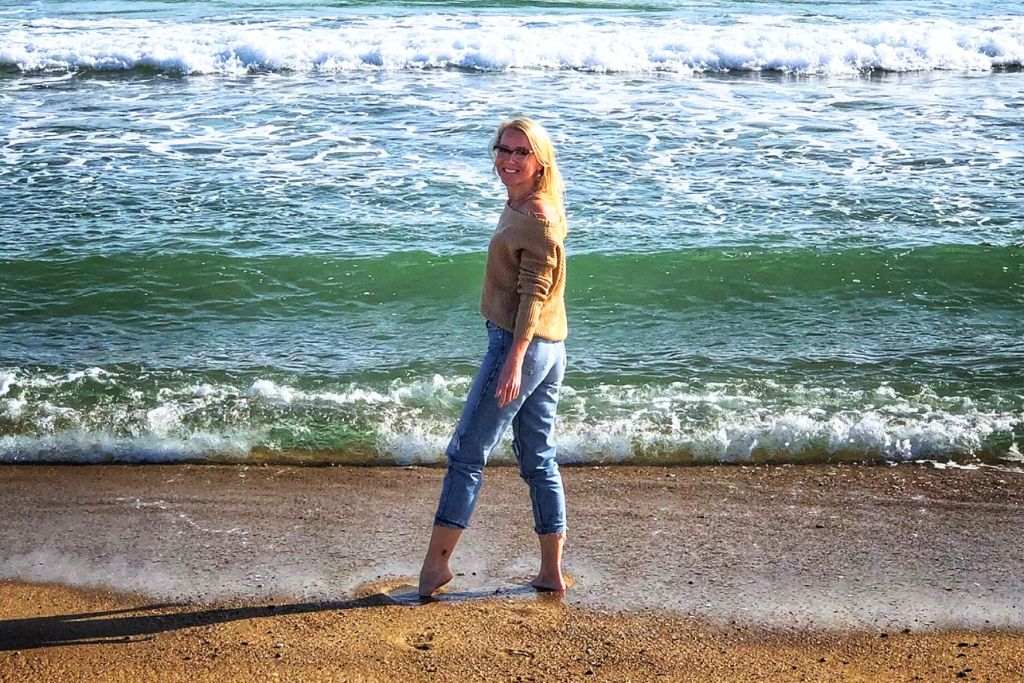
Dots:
{"x": 256, "y": 231}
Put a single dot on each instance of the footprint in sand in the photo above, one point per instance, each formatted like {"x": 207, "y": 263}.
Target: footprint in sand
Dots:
{"x": 424, "y": 640}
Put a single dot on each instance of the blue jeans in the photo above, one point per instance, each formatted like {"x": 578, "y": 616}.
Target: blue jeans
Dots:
{"x": 532, "y": 416}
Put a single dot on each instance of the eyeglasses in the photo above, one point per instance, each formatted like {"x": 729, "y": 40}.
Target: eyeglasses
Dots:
{"x": 519, "y": 153}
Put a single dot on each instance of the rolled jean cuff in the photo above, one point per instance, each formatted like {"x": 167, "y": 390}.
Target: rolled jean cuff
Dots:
{"x": 553, "y": 530}
{"x": 438, "y": 521}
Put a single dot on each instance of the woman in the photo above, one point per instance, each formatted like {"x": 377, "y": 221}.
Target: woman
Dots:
{"x": 520, "y": 376}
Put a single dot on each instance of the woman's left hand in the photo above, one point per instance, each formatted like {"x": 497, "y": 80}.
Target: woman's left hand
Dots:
{"x": 511, "y": 379}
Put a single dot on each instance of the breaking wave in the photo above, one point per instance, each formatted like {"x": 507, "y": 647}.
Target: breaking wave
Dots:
{"x": 501, "y": 43}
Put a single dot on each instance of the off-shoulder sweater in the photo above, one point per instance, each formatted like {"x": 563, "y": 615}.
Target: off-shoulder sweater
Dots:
{"x": 524, "y": 284}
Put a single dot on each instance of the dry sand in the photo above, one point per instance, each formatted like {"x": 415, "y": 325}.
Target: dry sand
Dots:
{"x": 714, "y": 573}
{"x": 64, "y": 635}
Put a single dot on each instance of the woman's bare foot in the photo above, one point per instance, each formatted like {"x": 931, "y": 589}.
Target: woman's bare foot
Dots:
{"x": 555, "y": 583}
{"x": 435, "y": 572}
{"x": 550, "y": 576}
{"x": 432, "y": 578}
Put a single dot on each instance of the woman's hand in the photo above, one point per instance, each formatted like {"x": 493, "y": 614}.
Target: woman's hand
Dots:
{"x": 511, "y": 379}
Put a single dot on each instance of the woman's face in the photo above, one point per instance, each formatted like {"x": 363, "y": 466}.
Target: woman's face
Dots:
{"x": 516, "y": 169}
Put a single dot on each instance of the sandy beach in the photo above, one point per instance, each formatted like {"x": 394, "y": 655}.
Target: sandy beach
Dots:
{"x": 191, "y": 572}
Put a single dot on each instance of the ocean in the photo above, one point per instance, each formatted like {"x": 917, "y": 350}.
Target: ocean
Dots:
{"x": 245, "y": 231}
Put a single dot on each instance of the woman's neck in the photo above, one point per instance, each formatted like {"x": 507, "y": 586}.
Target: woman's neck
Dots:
{"x": 517, "y": 197}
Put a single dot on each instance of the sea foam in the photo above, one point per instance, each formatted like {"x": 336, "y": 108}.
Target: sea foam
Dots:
{"x": 499, "y": 43}
{"x": 408, "y": 421}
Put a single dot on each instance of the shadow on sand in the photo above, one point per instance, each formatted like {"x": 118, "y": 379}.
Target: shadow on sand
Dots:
{"x": 143, "y": 623}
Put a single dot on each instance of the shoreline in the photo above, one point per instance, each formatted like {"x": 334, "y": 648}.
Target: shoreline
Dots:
{"x": 711, "y": 573}
{"x": 301, "y": 459}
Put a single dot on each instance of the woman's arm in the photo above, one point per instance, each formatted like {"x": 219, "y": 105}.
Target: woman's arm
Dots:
{"x": 512, "y": 372}
{"x": 536, "y": 278}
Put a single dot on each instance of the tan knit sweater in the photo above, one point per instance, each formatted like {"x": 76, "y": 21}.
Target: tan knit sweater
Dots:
{"x": 524, "y": 285}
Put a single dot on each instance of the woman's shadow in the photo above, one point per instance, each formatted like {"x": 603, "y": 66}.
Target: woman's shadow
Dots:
{"x": 143, "y": 623}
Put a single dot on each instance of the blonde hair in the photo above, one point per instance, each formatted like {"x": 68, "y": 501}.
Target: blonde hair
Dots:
{"x": 549, "y": 186}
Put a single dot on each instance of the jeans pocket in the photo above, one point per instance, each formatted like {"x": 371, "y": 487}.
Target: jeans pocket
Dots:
{"x": 536, "y": 359}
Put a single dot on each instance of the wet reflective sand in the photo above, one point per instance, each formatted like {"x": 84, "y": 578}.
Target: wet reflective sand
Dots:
{"x": 791, "y": 547}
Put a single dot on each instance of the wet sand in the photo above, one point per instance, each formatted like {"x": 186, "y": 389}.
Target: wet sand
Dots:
{"x": 711, "y": 573}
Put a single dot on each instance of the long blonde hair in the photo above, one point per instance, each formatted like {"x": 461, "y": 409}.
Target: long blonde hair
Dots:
{"x": 549, "y": 186}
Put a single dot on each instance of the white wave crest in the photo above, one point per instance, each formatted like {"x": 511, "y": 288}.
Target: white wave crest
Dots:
{"x": 265, "y": 388}
{"x": 501, "y": 42}
{"x": 7, "y": 380}
{"x": 410, "y": 421}
{"x": 103, "y": 447}
{"x": 432, "y": 390}
{"x": 95, "y": 374}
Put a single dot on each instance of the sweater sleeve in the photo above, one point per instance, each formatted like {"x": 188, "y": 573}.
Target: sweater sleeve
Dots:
{"x": 538, "y": 261}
